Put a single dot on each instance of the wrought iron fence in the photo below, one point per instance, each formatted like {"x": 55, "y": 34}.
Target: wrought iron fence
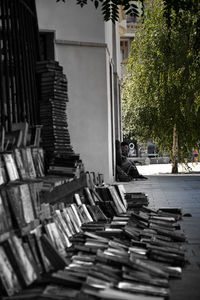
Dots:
{"x": 19, "y": 51}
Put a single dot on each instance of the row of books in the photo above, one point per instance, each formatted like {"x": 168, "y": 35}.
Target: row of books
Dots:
{"x": 21, "y": 135}
{"x": 27, "y": 161}
{"x": 19, "y": 206}
{"x": 21, "y": 164}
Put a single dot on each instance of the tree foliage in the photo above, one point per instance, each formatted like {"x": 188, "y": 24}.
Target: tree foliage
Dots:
{"x": 110, "y": 9}
{"x": 162, "y": 88}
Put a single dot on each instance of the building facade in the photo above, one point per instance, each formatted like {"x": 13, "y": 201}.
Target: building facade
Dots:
{"x": 88, "y": 49}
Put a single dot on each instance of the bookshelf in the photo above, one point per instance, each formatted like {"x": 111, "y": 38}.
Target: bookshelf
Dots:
{"x": 65, "y": 192}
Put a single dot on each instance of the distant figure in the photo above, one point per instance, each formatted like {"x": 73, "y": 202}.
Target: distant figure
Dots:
{"x": 196, "y": 154}
{"x": 132, "y": 150}
{"x": 128, "y": 167}
{"x": 151, "y": 148}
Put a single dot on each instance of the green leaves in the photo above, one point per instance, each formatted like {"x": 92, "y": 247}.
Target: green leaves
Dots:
{"x": 110, "y": 8}
{"x": 162, "y": 87}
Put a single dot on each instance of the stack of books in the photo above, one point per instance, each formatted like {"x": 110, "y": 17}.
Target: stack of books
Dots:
{"x": 53, "y": 116}
{"x": 136, "y": 200}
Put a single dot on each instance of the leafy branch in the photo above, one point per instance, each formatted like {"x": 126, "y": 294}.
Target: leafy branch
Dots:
{"x": 110, "y": 8}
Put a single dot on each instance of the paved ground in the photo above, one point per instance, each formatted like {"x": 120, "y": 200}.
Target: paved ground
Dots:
{"x": 178, "y": 191}
{"x": 156, "y": 169}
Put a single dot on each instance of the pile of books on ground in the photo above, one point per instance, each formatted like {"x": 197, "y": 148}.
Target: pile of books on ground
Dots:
{"x": 53, "y": 116}
{"x": 93, "y": 248}
{"x": 135, "y": 200}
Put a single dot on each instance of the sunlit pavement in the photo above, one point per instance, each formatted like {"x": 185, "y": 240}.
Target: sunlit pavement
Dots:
{"x": 156, "y": 169}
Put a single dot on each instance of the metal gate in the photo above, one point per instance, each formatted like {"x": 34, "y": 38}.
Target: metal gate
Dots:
{"x": 19, "y": 51}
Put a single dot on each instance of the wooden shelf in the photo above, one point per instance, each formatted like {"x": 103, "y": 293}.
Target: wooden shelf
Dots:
{"x": 65, "y": 192}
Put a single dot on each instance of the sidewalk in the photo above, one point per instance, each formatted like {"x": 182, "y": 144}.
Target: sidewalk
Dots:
{"x": 178, "y": 191}
{"x": 156, "y": 169}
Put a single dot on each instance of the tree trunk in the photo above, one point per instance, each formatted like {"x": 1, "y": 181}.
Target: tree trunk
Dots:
{"x": 175, "y": 151}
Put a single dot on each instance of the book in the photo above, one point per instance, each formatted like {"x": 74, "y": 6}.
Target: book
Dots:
{"x": 143, "y": 289}
{"x": 118, "y": 203}
{"x": 6, "y": 208}
{"x": 121, "y": 191}
{"x": 7, "y": 274}
{"x": 30, "y": 163}
{"x": 55, "y": 237}
{"x": 5, "y": 217}
{"x": 13, "y": 139}
{"x": 36, "y": 136}
{"x": 3, "y": 175}
{"x": 115, "y": 294}
{"x": 2, "y": 140}
{"x": 44, "y": 260}
{"x": 11, "y": 166}
{"x": 35, "y": 253}
{"x": 22, "y": 126}
{"x": 68, "y": 221}
{"x": 73, "y": 219}
{"x": 38, "y": 159}
{"x": 147, "y": 267}
{"x": 20, "y": 165}
{"x": 15, "y": 204}
{"x": 29, "y": 253}
{"x": 85, "y": 211}
{"x": 77, "y": 199}
{"x": 63, "y": 223}
{"x": 143, "y": 277}
{"x": 22, "y": 262}
{"x": 53, "y": 291}
{"x": 56, "y": 259}
{"x": 62, "y": 234}
{"x": 89, "y": 196}
{"x": 25, "y": 161}
{"x": 96, "y": 213}
{"x": 25, "y": 198}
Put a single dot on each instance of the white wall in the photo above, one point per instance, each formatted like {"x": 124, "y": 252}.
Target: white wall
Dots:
{"x": 87, "y": 109}
{"x": 83, "y": 47}
{"x": 71, "y": 21}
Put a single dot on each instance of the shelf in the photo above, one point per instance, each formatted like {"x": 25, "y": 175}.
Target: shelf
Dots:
{"x": 64, "y": 192}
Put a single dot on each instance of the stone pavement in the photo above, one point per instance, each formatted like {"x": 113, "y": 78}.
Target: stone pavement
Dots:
{"x": 178, "y": 191}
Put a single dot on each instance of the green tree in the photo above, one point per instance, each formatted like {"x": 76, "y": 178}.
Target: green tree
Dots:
{"x": 110, "y": 8}
{"x": 161, "y": 93}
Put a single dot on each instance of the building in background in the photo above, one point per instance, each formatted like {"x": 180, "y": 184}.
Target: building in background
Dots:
{"x": 88, "y": 49}
{"x": 128, "y": 26}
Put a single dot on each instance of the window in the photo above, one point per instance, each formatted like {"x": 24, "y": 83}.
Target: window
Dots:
{"x": 124, "y": 49}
